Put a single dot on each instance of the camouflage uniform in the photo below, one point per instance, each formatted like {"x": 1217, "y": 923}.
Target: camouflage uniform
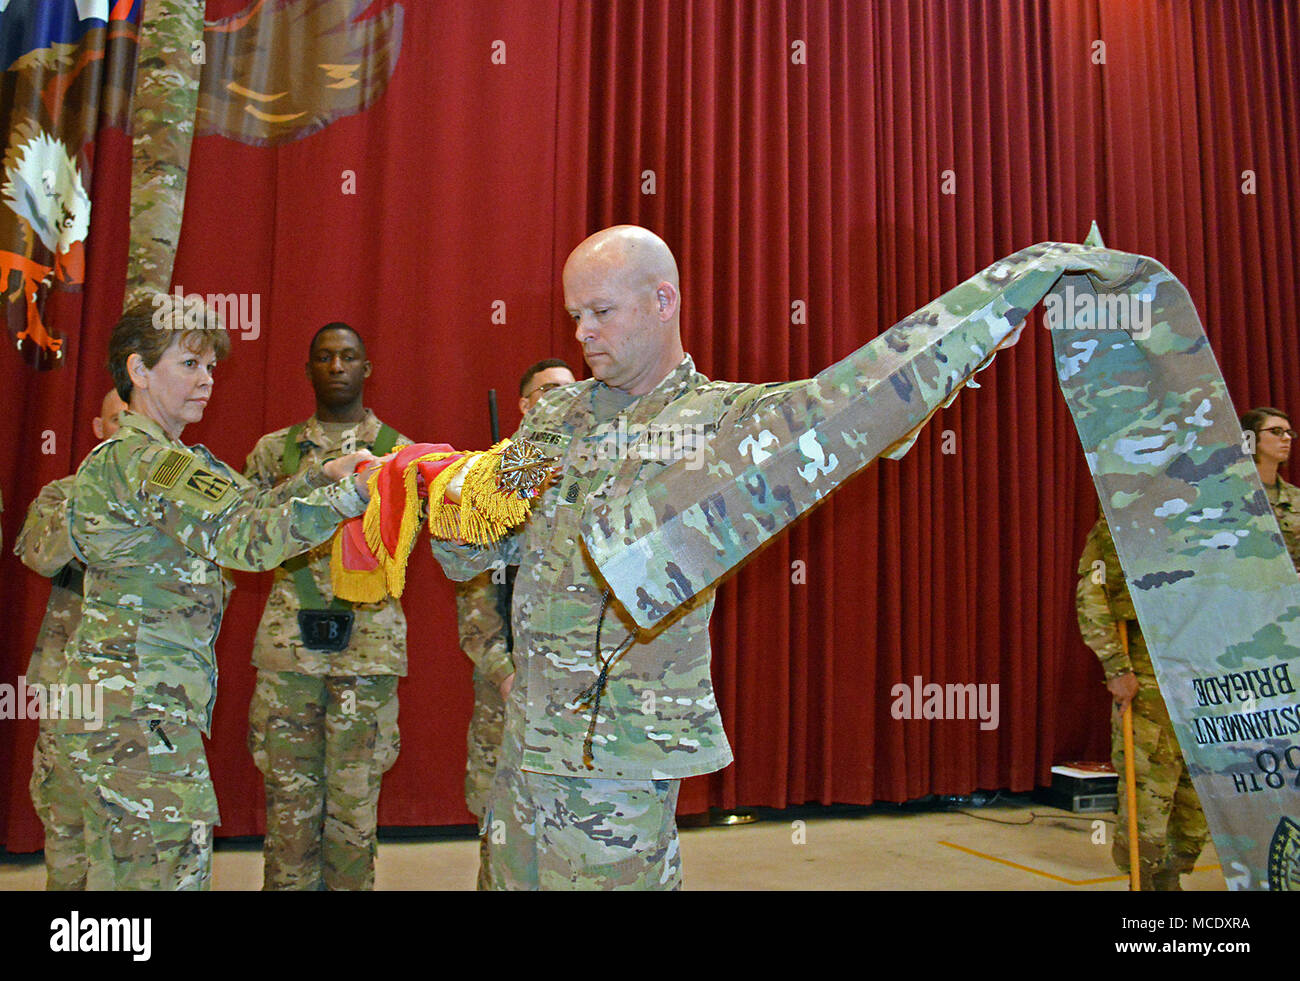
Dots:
{"x": 658, "y": 719}
{"x": 44, "y": 546}
{"x": 322, "y": 725}
{"x": 1285, "y": 499}
{"x": 483, "y": 607}
{"x": 1171, "y": 827}
{"x": 153, "y": 520}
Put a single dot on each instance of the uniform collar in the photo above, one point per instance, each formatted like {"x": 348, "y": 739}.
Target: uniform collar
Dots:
{"x": 142, "y": 423}
{"x": 1287, "y": 493}
{"x": 680, "y": 375}
{"x": 367, "y": 428}
{"x": 675, "y": 379}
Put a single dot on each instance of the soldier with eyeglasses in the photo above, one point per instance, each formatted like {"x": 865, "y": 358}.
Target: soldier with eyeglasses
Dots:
{"x": 1274, "y": 438}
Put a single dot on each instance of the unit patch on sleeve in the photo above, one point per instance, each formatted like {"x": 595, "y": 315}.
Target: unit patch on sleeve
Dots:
{"x": 208, "y": 484}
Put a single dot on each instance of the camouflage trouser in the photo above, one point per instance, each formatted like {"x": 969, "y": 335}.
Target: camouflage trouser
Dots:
{"x": 323, "y": 745}
{"x": 56, "y": 796}
{"x": 147, "y": 804}
{"x": 548, "y": 832}
{"x": 1171, "y": 827}
{"x": 483, "y": 743}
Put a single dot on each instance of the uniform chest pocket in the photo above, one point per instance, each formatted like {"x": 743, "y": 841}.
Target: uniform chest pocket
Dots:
{"x": 1289, "y": 522}
{"x": 567, "y": 523}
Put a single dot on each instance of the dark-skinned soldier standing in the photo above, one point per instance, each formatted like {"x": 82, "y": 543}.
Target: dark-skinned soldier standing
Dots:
{"x": 323, "y": 720}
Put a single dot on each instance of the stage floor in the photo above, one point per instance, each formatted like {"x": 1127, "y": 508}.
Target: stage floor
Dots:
{"x": 1017, "y": 845}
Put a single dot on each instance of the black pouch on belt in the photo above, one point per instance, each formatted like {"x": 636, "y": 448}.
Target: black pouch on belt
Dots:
{"x": 325, "y": 630}
{"x": 323, "y": 626}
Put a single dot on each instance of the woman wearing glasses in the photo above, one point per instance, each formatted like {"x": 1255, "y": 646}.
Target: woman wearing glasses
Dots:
{"x": 1273, "y": 440}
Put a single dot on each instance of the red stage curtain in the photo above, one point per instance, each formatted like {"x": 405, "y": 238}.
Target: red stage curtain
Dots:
{"x": 796, "y": 155}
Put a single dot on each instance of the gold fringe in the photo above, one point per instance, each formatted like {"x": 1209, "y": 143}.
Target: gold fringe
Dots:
{"x": 370, "y": 519}
{"x": 350, "y": 584}
{"x": 485, "y": 513}
{"x": 443, "y": 522}
{"x": 395, "y": 566}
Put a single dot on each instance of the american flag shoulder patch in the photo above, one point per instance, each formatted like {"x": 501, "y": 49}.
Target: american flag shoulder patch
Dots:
{"x": 169, "y": 468}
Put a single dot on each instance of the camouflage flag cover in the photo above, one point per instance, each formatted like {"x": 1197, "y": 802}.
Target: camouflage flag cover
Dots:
{"x": 1214, "y": 589}
{"x": 162, "y": 128}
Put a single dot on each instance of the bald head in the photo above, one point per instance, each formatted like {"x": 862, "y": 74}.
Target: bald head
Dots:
{"x": 631, "y": 251}
{"x": 621, "y": 287}
{"x": 105, "y": 424}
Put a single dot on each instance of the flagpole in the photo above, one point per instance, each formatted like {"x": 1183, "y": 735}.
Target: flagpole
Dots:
{"x": 1130, "y": 780}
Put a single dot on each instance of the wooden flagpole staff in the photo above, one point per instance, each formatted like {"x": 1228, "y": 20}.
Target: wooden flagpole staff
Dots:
{"x": 1130, "y": 780}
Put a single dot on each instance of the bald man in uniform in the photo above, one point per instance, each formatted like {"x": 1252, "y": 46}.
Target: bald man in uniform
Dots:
{"x": 603, "y": 722}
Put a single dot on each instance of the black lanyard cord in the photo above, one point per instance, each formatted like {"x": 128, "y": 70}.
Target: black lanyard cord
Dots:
{"x": 591, "y": 695}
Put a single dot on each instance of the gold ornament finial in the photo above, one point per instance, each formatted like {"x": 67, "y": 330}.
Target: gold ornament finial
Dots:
{"x": 523, "y": 469}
